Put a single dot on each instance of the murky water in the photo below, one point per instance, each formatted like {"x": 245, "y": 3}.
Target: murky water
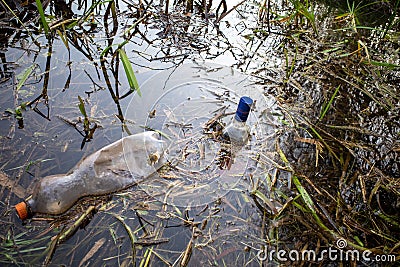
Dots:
{"x": 38, "y": 146}
{"x": 198, "y": 207}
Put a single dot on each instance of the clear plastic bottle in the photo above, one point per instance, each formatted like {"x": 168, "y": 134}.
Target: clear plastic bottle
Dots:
{"x": 112, "y": 168}
{"x": 237, "y": 131}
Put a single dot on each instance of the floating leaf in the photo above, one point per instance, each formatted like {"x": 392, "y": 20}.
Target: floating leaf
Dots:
{"x": 22, "y": 79}
{"x": 384, "y": 64}
{"x": 306, "y": 197}
{"x": 266, "y": 201}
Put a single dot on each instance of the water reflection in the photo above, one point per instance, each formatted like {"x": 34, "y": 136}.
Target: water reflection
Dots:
{"x": 71, "y": 89}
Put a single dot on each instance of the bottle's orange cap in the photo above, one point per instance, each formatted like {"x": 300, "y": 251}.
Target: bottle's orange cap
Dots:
{"x": 22, "y": 210}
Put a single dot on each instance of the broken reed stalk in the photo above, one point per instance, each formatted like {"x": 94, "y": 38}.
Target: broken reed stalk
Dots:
{"x": 148, "y": 254}
{"x": 225, "y": 12}
{"x": 66, "y": 234}
{"x": 166, "y": 7}
{"x": 110, "y": 89}
{"x": 185, "y": 256}
{"x": 132, "y": 237}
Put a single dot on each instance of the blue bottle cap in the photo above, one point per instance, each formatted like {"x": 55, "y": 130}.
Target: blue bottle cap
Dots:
{"x": 243, "y": 108}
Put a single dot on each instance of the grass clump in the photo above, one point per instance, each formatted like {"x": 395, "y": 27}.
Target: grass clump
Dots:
{"x": 341, "y": 97}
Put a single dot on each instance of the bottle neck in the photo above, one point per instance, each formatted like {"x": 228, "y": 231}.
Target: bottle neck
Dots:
{"x": 30, "y": 205}
{"x": 237, "y": 122}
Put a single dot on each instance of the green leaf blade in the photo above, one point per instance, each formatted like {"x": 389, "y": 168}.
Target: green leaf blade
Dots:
{"x": 129, "y": 71}
{"x": 42, "y": 17}
{"x": 22, "y": 79}
{"x": 82, "y": 107}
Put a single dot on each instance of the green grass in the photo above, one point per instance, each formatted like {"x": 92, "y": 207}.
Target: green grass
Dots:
{"x": 133, "y": 84}
{"x": 305, "y": 9}
{"x": 43, "y": 17}
{"x": 327, "y": 107}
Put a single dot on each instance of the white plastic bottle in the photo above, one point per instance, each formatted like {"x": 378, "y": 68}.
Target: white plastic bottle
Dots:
{"x": 112, "y": 168}
{"x": 237, "y": 131}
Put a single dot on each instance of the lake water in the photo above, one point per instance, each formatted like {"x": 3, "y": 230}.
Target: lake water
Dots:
{"x": 198, "y": 201}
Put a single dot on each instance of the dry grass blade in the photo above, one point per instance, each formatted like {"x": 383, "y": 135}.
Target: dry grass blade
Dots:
{"x": 82, "y": 219}
{"x": 151, "y": 242}
{"x": 224, "y": 14}
{"x": 97, "y": 245}
{"x": 18, "y": 190}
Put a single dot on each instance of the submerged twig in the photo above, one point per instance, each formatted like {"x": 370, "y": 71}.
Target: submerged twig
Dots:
{"x": 225, "y": 13}
{"x": 130, "y": 234}
{"x": 67, "y": 233}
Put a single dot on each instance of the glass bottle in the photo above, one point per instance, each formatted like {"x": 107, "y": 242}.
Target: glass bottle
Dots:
{"x": 110, "y": 169}
{"x": 237, "y": 131}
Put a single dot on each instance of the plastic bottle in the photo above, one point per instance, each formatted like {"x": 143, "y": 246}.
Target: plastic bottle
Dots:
{"x": 237, "y": 131}
{"x": 112, "y": 168}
